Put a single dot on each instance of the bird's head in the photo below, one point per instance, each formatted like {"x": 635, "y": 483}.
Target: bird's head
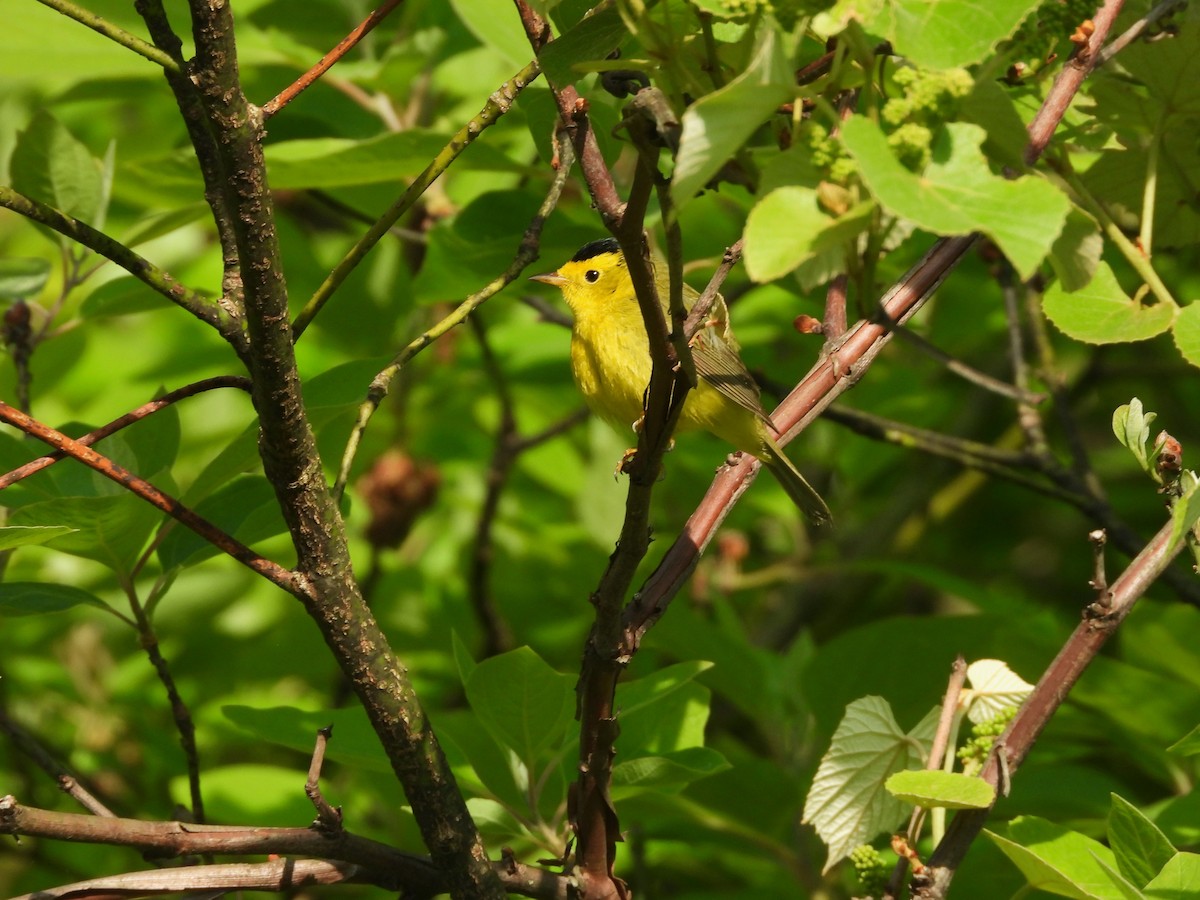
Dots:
{"x": 596, "y": 274}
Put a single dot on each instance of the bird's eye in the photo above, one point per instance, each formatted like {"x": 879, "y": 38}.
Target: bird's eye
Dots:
{"x": 591, "y": 276}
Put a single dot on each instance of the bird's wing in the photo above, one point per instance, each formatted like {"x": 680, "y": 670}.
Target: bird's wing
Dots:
{"x": 718, "y": 364}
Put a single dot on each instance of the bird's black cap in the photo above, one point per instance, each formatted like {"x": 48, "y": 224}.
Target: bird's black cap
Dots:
{"x": 595, "y": 248}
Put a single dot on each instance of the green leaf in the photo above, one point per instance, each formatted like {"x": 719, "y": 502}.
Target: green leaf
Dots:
{"x": 522, "y": 701}
{"x": 1127, "y": 889}
{"x": 1102, "y": 313}
{"x": 252, "y": 792}
{"x": 958, "y": 194}
{"x": 949, "y": 790}
{"x": 481, "y": 764}
{"x": 110, "y": 530}
{"x": 20, "y": 598}
{"x": 995, "y": 689}
{"x": 593, "y": 38}
{"x": 340, "y": 162}
{"x": 50, "y": 165}
{"x": 1140, "y": 847}
{"x": 716, "y": 126}
{"x": 499, "y": 29}
{"x": 940, "y": 34}
{"x": 21, "y": 535}
{"x": 848, "y": 803}
{"x": 1187, "y": 332}
{"x": 21, "y": 279}
{"x": 1132, "y": 427}
{"x": 1188, "y": 745}
{"x": 1178, "y": 880}
{"x": 786, "y": 229}
{"x": 1057, "y": 860}
{"x": 653, "y": 727}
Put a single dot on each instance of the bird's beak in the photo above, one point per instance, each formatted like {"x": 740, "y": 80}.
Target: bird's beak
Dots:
{"x": 549, "y": 278}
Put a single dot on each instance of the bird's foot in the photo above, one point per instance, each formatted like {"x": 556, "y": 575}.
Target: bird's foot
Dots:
{"x": 624, "y": 463}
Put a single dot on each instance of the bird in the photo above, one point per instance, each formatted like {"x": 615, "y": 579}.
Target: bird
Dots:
{"x": 610, "y": 359}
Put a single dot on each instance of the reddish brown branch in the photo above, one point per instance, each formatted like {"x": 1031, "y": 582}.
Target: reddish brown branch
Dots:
{"x": 1065, "y": 86}
{"x": 1051, "y": 690}
{"x": 326, "y": 62}
{"x": 272, "y": 571}
{"x": 572, "y": 109}
{"x": 832, "y": 376}
{"x": 36, "y": 465}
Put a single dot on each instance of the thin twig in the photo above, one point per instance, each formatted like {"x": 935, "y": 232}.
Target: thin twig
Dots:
{"x": 497, "y": 105}
{"x": 286, "y": 96}
{"x": 329, "y": 819}
{"x": 527, "y": 252}
{"x": 1135, "y": 31}
{"x": 272, "y": 571}
{"x": 937, "y": 751}
{"x": 700, "y": 309}
{"x": 833, "y": 323}
{"x": 36, "y": 465}
{"x": 180, "y": 713}
{"x": 113, "y": 32}
{"x": 964, "y": 371}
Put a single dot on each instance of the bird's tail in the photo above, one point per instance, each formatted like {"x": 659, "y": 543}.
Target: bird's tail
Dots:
{"x": 803, "y": 494}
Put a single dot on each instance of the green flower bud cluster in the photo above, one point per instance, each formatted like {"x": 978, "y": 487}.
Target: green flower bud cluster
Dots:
{"x": 827, "y": 154}
{"x": 930, "y": 98}
{"x": 974, "y": 753}
{"x": 871, "y": 868}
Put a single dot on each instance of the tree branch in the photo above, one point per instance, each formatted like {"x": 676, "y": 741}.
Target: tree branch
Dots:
{"x": 292, "y": 464}
{"x": 1065, "y": 86}
{"x": 146, "y": 409}
{"x": 273, "y": 572}
{"x": 376, "y": 863}
{"x": 1051, "y": 690}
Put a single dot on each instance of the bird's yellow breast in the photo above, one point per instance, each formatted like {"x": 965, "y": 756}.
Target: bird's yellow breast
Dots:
{"x": 610, "y": 359}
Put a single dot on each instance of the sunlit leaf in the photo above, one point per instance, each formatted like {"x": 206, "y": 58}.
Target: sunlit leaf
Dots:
{"x": 948, "y": 790}
{"x": 848, "y": 803}
{"x": 1102, "y": 313}
{"x": 958, "y": 193}
{"x": 995, "y": 689}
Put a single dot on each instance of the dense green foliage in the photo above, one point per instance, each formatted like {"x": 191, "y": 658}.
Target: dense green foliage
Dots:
{"x": 947, "y": 541}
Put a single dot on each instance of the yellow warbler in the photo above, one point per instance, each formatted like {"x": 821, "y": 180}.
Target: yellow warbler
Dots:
{"x": 610, "y": 358}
